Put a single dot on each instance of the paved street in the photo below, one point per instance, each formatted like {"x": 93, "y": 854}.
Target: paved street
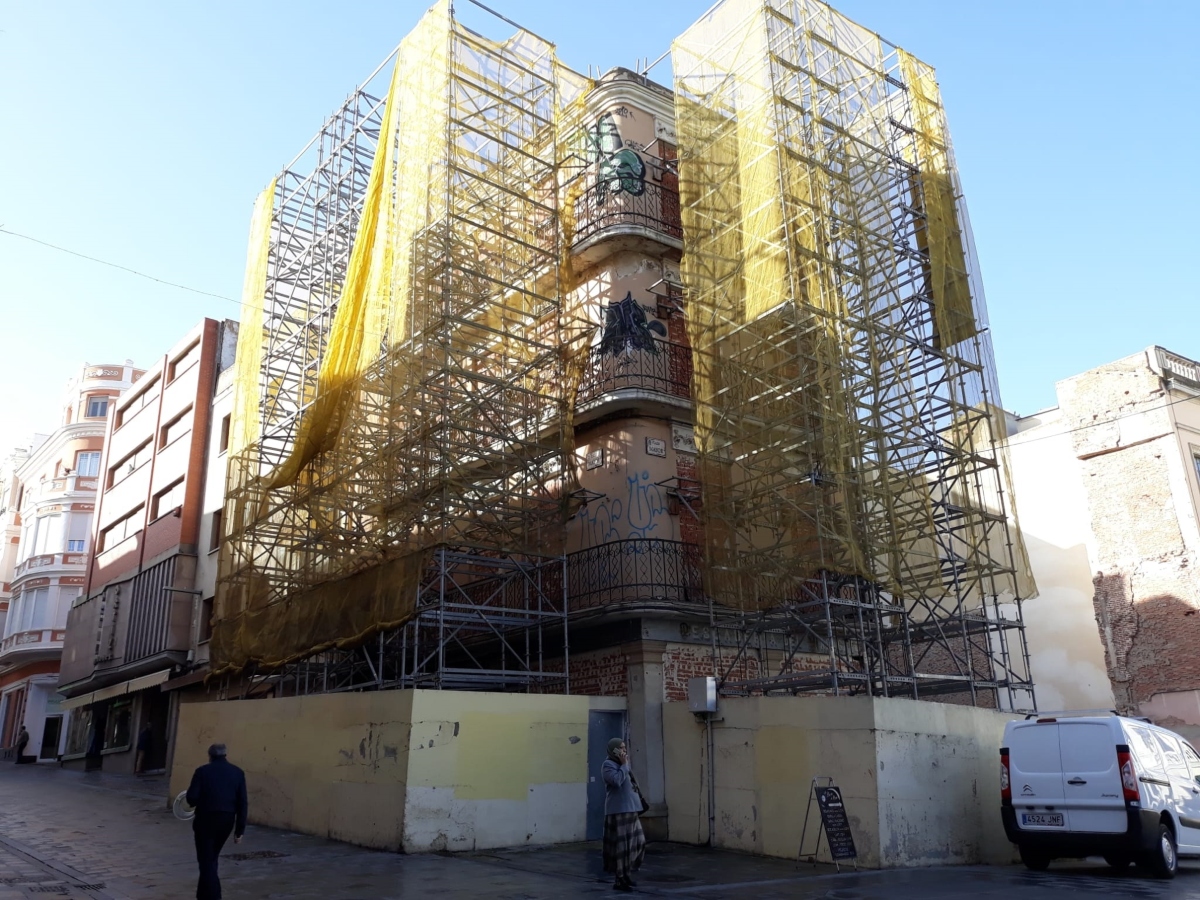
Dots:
{"x": 66, "y": 834}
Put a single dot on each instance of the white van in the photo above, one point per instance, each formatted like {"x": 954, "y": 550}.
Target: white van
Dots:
{"x": 1111, "y": 786}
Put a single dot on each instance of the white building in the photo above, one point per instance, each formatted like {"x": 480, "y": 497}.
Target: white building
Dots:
{"x": 50, "y": 497}
{"x": 1108, "y": 490}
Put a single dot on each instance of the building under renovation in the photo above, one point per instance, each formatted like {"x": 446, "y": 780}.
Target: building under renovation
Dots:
{"x": 565, "y": 385}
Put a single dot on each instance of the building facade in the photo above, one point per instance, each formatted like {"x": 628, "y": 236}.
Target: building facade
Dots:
{"x": 1108, "y": 485}
{"x": 52, "y": 494}
{"x": 134, "y": 619}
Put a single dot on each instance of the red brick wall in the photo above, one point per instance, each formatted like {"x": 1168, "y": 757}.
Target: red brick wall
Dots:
{"x": 684, "y": 661}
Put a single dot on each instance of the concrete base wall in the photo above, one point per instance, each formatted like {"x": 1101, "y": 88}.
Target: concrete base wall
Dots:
{"x": 405, "y": 770}
{"x": 920, "y": 780}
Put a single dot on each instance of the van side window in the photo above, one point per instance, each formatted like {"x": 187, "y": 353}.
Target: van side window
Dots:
{"x": 1145, "y": 750}
{"x": 1173, "y": 757}
{"x": 1193, "y": 761}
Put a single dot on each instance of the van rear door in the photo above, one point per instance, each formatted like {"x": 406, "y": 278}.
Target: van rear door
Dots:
{"x": 1093, "y": 797}
{"x": 1035, "y": 775}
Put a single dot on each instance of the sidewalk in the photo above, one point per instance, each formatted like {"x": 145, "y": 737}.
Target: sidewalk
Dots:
{"x": 105, "y": 837}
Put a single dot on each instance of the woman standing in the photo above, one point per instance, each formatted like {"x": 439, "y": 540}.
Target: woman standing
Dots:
{"x": 624, "y": 841}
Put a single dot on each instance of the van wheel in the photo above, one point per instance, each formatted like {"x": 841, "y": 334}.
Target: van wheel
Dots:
{"x": 1163, "y": 860}
{"x": 1118, "y": 860}
{"x": 1035, "y": 860}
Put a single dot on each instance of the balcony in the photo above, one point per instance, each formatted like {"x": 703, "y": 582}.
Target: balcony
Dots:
{"x": 68, "y": 484}
{"x": 635, "y": 374}
{"x": 29, "y": 646}
{"x": 653, "y": 214}
{"x": 634, "y": 571}
{"x": 49, "y": 561}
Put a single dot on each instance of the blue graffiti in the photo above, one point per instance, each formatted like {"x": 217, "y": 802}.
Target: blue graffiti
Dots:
{"x": 638, "y": 515}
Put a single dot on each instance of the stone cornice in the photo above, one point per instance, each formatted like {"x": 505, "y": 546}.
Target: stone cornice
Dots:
{"x": 616, "y": 91}
{"x": 54, "y": 443}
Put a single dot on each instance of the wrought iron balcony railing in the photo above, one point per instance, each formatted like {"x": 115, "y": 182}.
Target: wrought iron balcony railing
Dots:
{"x": 667, "y": 371}
{"x": 634, "y": 570}
{"x": 655, "y": 208}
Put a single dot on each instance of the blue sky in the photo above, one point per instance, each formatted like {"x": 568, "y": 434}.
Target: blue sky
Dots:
{"x": 141, "y": 132}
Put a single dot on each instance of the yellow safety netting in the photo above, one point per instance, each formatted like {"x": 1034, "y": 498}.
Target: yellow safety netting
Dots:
{"x": 437, "y": 415}
{"x": 244, "y": 417}
{"x": 942, "y": 239}
{"x": 841, "y": 384}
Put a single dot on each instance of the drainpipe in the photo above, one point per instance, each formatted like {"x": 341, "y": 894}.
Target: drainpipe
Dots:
{"x": 712, "y": 784}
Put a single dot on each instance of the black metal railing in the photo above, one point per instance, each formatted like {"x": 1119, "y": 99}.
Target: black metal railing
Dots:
{"x": 656, "y": 208}
{"x": 667, "y": 371}
{"x": 634, "y": 570}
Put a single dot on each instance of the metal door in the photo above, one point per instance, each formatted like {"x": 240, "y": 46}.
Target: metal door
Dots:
{"x": 603, "y": 725}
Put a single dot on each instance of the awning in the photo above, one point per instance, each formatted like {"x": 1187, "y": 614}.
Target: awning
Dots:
{"x": 117, "y": 690}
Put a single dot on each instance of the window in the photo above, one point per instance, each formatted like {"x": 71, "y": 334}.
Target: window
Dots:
{"x": 132, "y": 405}
{"x": 1193, "y": 761}
{"x": 167, "y": 500}
{"x": 206, "y": 615}
{"x": 31, "y": 611}
{"x": 78, "y": 731}
{"x": 183, "y": 361}
{"x": 178, "y": 426}
{"x": 1173, "y": 757}
{"x": 37, "y": 604}
{"x": 116, "y": 733}
{"x": 130, "y": 463}
{"x": 76, "y": 546}
{"x": 214, "y": 538}
{"x": 225, "y": 437}
{"x": 87, "y": 462}
{"x": 97, "y": 407}
{"x": 127, "y": 526}
{"x": 1196, "y": 463}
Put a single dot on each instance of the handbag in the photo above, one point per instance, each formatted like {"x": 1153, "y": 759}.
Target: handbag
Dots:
{"x": 637, "y": 790}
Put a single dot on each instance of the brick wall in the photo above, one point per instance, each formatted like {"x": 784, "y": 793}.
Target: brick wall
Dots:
{"x": 600, "y": 673}
{"x": 684, "y": 661}
{"x": 1146, "y": 593}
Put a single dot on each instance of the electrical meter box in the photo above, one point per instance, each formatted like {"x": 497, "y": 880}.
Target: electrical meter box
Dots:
{"x": 702, "y": 694}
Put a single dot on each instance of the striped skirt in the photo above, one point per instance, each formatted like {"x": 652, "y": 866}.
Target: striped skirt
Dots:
{"x": 624, "y": 843}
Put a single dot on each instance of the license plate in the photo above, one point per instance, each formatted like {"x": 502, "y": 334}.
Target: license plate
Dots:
{"x": 1054, "y": 820}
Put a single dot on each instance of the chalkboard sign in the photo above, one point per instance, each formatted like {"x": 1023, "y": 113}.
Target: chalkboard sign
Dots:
{"x": 837, "y": 823}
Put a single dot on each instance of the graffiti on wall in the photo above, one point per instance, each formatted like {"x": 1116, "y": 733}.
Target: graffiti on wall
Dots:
{"x": 627, "y": 327}
{"x": 619, "y": 169}
{"x": 636, "y": 515}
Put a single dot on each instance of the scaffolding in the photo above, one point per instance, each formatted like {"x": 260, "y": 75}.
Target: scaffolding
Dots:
{"x": 402, "y": 452}
{"x": 400, "y": 480}
{"x": 846, "y": 402}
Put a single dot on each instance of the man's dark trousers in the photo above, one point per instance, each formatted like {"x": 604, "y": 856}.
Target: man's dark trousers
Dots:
{"x": 211, "y": 831}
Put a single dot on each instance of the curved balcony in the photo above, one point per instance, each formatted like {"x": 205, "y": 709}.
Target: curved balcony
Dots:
{"x": 634, "y": 571}
{"x": 650, "y": 215}
{"x": 68, "y": 484}
{"x": 30, "y": 646}
{"x": 49, "y": 561}
{"x": 664, "y": 376}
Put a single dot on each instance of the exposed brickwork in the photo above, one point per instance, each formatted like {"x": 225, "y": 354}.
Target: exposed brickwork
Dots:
{"x": 1143, "y": 555}
{"x": 601, "y": 673}
{"x": 684, "y": 661}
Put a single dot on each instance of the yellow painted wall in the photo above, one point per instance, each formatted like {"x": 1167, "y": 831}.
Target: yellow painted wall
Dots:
{"x": 919, "y": 779}
{"x": 411, "y": 770}
{"x": 332, "y": 765}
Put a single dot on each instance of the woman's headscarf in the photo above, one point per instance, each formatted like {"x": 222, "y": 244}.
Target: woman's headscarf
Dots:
{"x": 612, "y": 749}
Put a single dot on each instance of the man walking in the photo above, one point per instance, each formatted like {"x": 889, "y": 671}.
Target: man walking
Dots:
{"x": 218, "y": 793}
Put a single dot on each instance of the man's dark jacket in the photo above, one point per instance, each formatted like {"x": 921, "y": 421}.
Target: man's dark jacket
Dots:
{"x": 220, "y": 787}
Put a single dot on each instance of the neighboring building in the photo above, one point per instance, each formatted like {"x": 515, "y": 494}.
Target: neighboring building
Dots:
{"x": 51, "y": 496}
{"x": 1108, "y": 487}
{"x": 133, "y": 625}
